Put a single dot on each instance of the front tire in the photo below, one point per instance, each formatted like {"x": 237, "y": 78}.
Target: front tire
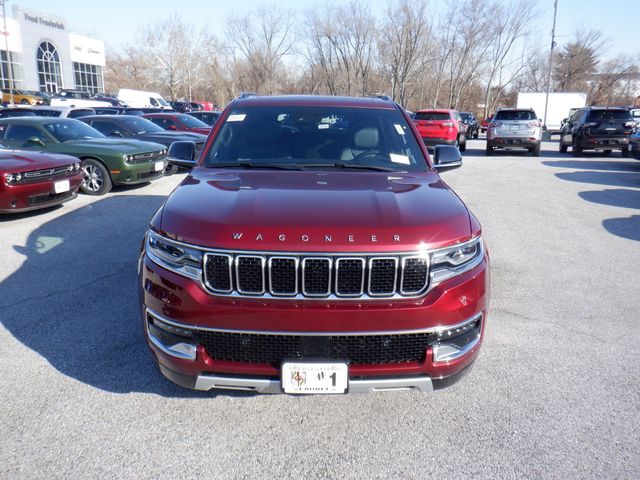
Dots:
{"x": 535, "y": 151}
{"x": 576, "y": 150}
{"x": 489, "y": 150}
{"x": 462, "y": 146}
{"x": 562, "y": 147}
{"x": 97, "y": 180}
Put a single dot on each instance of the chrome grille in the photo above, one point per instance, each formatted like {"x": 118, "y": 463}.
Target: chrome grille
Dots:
{"x": 315, "y": 276}
{"x": 38, "y": 175}
{"x": 145, "y": 157}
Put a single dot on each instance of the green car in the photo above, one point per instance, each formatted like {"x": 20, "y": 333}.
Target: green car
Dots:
{"x": 105, "y": 161}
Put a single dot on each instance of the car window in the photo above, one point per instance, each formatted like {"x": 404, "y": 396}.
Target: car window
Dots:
{"x": 69, "y": 129}
{"x": 515, "y": 115}
{"x": 318, "y": 137}
{"x": 604, "y": 115}
{"x": 47, "y": 113}
{"x": 141, "y": 125}
{"x": 192, "y": 122}
{"x": 107, "y": 128}
{"x": 432, "y": 116}
{"x": 16, "y": 133}
{"x": 164, "y": 123}
{"x": 80, "y": 112}
{"x": 153, "y": 102}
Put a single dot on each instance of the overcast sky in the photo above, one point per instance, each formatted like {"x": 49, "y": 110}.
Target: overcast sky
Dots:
{"x": 117, "y": 21}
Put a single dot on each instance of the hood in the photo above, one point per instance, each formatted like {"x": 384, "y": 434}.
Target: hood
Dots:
{"x": 14, "y": 161}
{"x": 115, "y": 144}
{"x": 314, "y": 211}
{"x": 167, "y": 138}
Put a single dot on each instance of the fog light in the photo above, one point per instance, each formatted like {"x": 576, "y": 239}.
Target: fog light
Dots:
{"x": 170, "y": 339}
{"x": 456, "y": 341}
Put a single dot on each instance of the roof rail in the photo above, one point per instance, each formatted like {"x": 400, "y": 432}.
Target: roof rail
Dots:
{"x": 246, "y": 95}
{"x": 381, "y": 96}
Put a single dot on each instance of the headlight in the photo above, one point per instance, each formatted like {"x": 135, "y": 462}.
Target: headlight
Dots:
{"x": 174, "y": 256}
{"x": 451, "y": 261}
{"x": 76, "y": 166}
{"x": 127, "y": 158}
{"x": 10, "y": 178}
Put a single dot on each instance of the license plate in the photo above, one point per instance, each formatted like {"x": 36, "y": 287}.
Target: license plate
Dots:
{"x": 315, "y": 378}
{"x": 158, "y": 166}
{"x": 515, "y": 127}
{"x": 62, "y": 186}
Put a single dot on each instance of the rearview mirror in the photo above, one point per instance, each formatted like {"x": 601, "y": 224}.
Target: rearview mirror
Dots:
{"x": 446, "y": 157}
{"x": 182, "y": 153}
{"x": 35, "y": 141}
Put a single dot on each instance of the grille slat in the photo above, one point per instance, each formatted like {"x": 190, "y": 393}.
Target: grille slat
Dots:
{"x": 274, "y": 349}
{"x": 314, "y": 276}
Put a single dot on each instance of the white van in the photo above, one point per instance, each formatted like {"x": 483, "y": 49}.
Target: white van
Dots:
{"x": 142, "y": 99}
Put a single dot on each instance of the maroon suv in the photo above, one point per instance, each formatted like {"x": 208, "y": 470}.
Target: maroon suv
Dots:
{"x": 31, "y": 180}
{"x": 314, "y": 248}
{"x": 178, "y": 122}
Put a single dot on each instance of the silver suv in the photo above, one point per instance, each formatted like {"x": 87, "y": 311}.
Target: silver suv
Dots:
{"x": 514, "y": 128}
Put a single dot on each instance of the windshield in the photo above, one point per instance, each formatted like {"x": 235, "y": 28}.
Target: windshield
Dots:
{"x": 432, "y": 116}
{"x": 317, "y": 137}
{"x": 604, "y": 115}
{"x": 191, "y": 122}
{"x": 208, "y": 117}
{"x": 515, "y": 115}
{"x": 141, "y": 125}
{"x": 466, "y": 116}
{"x": 67, "y": 129}
{"x": 162, "y": 101}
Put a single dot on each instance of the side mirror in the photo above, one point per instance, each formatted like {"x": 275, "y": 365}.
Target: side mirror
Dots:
{"x": 182, "y": 153}
{"x": 116, "y": 133}
{"x": 446, "y": 157}
{"x": 35, "y": 141}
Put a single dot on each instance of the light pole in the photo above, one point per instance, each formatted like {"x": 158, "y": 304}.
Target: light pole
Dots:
{"x": 553, "y": 44}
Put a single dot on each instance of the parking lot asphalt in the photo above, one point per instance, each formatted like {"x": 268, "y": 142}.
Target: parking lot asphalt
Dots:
{"x": 554, "y": 393}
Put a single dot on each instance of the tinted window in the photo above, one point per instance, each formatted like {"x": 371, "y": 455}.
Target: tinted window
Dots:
{"x": 318, "y": 137}
{"x": 22, "y": 133}
{"x": 467, "y": 116}
{"x": 163, "y": 122}
{"x": 192, "y": 122}
{"x": 16, "y": 113}
{"x": 153, "y": 102}
{"x": 141, "y": 125}
{"x": 207, "y": 117}
{"x": 47, "y": 113}
{"x": 432, "y": 116}
{"x": 68, "y": 129}
{"x": 84, "y": 112}
{"x": 515, "y": 115}
{"x": 604, "y": 115}
{"x": 105, "y": 127}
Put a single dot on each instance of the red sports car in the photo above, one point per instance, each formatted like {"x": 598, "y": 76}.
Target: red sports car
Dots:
{"x": 179, "y": 122}
{"x": 32, "y": 180}
{"x": 314, "y": 248}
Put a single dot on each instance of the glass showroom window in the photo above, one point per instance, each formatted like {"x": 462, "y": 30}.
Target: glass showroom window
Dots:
{"x": 88, "y": 77}
{"x": 5, "y": 72}
{"x": 49, "y": 71}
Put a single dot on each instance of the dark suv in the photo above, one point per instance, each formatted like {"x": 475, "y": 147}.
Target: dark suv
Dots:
{"x": 597, "y": 128}
{"x": 473, "y": 126}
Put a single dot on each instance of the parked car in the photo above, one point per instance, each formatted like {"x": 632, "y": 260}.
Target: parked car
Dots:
{"x": 597, "y": 128}
{"x": 514, "y": 128}
{"x": 142, "y": 111}
{"x": 63, "y": 112}
{"x": 128, "y": 126}
{"x": 441, "y": 127}
{"x": 21, "y": 96}
{"x": 207, "y": 106}
{"x": 181, "y": 107}
{"x": 112, "y": 99}
{"x": 633, "y": 147}
{"x": 179, "y": 122}
{"x": 76, "y": 98}
{"x": 208, "y": 117}
{"x": 109, "y": 110}
{"x": 473, "y": 127}
{"x": 485, "y": 124}
{"x": 33, "y": 180}
{"x": 105, "y": 161}
{"x": 45, "y": 97}
{"x": 565, "y": 120}
{"x": 314, "y": 249}
{"x": 16, "y": 112}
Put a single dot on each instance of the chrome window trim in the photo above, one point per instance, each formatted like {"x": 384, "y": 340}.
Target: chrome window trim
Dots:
{"x": 395, "y": 278}
{"x": 317, "y": 295}
{"x": 204, "y": 272}
{"x": 349, "y": 333}
{"x": 296, "y": 262}
{"x": 262, "y": 264}
{"x": 337, "y": 275}
{"x": 425, "y": 257}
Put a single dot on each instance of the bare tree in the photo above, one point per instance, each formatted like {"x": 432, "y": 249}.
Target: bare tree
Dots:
{"x": 578, "y": 60}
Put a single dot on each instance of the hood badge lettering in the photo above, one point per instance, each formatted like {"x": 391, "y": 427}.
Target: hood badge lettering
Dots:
{"x": 307, "y": 238}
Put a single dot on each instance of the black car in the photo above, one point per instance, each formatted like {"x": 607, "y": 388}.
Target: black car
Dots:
{"x": 16, "y": 112}
{"x": 130, "y": 126}
{"x": 209, "y": 117}
{"x": 142, "y": 111}
{"x": 109, "y": 110}
{"x": 473, "y": 126}
{"x": 182, "y": 107}
{"x": 597, "y": 128}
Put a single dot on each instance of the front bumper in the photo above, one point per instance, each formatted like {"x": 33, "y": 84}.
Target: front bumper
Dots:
{"x": 26, "y": 197}
{"x": 183, "y": 303}
{"x": 131, "y": 174}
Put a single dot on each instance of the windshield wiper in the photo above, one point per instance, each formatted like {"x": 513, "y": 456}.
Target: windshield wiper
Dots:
{"x": 276, "y": 166}
{"x": 378, "y": 168}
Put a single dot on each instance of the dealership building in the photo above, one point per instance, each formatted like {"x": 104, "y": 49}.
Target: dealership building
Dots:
{"x": 39, "y": 52}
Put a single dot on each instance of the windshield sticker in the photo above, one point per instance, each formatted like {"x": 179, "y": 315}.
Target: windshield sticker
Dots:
{"x": 399, "y": 129}
{"x": 403, "y": 159}
{"x": 323, "y": 126}
{"x": 236, "y": 117}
